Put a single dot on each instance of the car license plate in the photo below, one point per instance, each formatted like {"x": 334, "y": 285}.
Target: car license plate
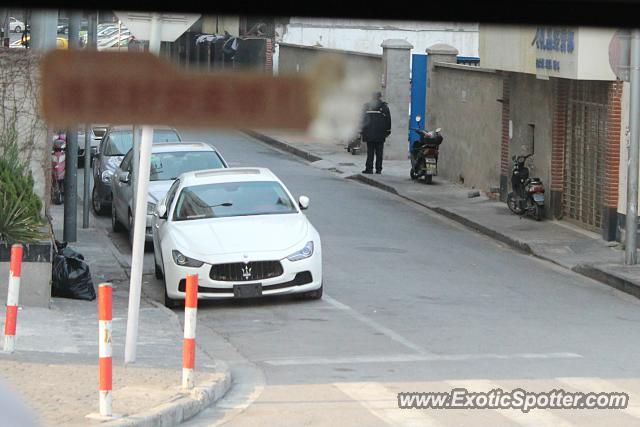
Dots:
{"x": 538, "y": 197}
{"x": 431, "y": 168}
{"x": 249, "y": 290}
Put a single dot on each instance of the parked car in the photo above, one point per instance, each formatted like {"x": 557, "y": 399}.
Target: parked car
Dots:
{"x": 241, "y": 232}
{"x": 15, "y": 25}
{"x": 97, "y": 132}
{"x": 168, "y": 161}
{"x": 117, "y": 141}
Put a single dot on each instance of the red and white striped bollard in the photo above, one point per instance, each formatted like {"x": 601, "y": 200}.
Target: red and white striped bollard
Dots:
{"x": 105, "y": 351}
{"x": 13, "y": 295}
{"x": 189, "y": 343}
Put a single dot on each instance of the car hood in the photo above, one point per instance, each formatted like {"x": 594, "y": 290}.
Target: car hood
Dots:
{"x": 158, "y": 189}
{"x": 247, "y": 234}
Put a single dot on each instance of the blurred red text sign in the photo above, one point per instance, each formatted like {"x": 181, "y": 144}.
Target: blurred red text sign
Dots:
{"x": 140, "y": 88}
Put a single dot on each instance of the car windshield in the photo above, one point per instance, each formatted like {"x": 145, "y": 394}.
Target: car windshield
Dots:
{"x": 233, "y": 199}
{"x": 121, "y": 141}
{"x": 168, "y": 166}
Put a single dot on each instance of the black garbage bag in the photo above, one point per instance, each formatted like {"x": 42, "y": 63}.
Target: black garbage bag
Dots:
{"x": 71, "y": 275}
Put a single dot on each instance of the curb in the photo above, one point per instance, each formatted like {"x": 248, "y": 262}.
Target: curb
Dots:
{"x": 616, "y": 282}
{"x": 591, "y": 272}
{"x": 181, "y": 408}
{"x": 373, "y": 183}
{"x": 283, "y": 146}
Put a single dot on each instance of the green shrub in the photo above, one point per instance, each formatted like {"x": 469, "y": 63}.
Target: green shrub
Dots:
{"x": 20, "y": 207}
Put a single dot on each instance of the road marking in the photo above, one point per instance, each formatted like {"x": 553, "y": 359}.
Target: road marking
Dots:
{"x": 402, "y": 358}
{"x": 599, "y": 385}
{"x": 375, "y": 325}
{"x": 383, "y": 403}
{"x": 534, "y": 418}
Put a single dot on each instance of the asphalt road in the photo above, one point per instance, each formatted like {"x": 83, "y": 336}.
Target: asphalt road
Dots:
{"x": 413, "y": 302}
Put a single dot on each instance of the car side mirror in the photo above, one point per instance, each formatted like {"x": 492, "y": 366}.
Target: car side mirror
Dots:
{"x": 303, "y": 202}
{"x": 124, "y": 176}
{"x": 161, "y": 211}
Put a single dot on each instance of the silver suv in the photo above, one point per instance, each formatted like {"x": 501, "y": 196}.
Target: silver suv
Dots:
{"x": 117, "y": 141}
{"x": 168, "y": 162}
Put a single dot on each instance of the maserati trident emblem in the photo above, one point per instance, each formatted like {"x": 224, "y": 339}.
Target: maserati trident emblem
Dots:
{"x": 246, "y": 272}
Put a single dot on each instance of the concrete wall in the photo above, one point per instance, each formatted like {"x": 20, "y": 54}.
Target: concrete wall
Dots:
{"x": 366, "y": 35}
{"x": 462, "y": 100}
{"x": 531, "y": 102}
{"x": 296, "y": 59}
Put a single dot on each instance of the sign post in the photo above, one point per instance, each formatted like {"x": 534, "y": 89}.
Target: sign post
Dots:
{"x": 624, "y": 58}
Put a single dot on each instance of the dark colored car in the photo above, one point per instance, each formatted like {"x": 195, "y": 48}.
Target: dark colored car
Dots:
{"x": 117, "y": 141}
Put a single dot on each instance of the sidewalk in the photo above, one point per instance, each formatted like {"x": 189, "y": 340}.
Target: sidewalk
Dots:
{"x": 557, "y": 241}
{"x": 55, "y": 366}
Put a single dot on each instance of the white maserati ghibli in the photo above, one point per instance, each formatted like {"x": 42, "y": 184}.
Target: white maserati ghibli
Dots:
{"x": 239, "y": 230}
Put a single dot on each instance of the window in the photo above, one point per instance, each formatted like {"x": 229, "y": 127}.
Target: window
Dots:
{"x": 171, "y": 194}
{"x": 169, "y": 166}
{"x": 121, "y": 141}
{"x": 232, "y": 199}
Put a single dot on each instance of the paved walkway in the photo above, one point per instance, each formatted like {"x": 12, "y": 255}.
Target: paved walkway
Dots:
{"x": 55, "y": 366}
{"x": 557, "y": 241}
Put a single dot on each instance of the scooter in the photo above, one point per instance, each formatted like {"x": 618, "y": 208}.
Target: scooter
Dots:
{"x": 527, "y": 197}
{"x": 424, "y": 155}
{"x": 58, "y": 159}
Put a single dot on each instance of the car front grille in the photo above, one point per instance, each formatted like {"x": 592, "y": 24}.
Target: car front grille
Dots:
{"x": 241, "y": 272}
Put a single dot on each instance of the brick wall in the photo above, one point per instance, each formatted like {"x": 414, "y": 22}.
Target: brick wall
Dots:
{"x": 612, "y": 162}
{"x": 559, "y": 134}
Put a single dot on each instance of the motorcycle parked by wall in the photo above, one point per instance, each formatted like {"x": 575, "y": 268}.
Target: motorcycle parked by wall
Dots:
{"x": 424, "y": 154}
{"x": 527, "y": 197}
{"x": 58, "y": 171}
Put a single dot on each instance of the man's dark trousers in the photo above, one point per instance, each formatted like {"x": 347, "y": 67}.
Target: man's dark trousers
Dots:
{"x": 374, "y": 148}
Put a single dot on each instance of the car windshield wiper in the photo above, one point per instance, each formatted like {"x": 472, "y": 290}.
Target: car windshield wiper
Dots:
{"x": 227, "y": 204}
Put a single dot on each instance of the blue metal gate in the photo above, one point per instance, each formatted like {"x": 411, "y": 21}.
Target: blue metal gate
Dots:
{"x": 418, "y": 95}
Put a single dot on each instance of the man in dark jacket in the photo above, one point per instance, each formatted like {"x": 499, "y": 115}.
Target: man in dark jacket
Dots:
{"x": 375, "y": 130}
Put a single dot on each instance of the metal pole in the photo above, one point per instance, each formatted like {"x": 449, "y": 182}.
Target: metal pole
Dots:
{"x": 87, "y": 176}
{"x": 71, "y": 185}
{"x": 135, "y": 166}
{"x": 140, "y": 219}
{"x": 87, "y": 131}
{"x": 631, "y": 228}
{"x": 71, "y": 156}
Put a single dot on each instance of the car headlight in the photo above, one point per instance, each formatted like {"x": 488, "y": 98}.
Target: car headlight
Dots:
{"x": 151, "y": 207}
{"x": 185, "y": 261}
{"x": 106, "y": 176}
{"x": 303, "y": 253}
